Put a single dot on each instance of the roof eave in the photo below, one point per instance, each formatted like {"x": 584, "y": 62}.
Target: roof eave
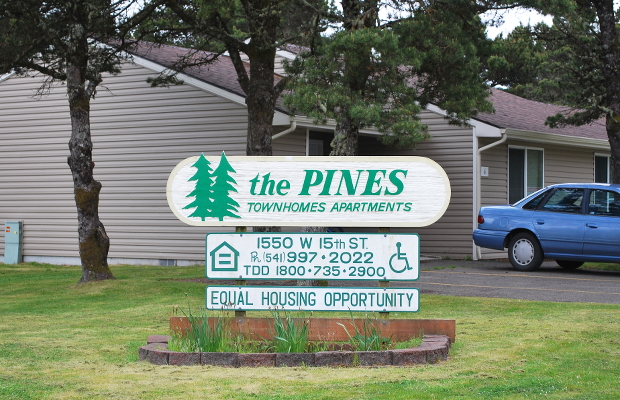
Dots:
{"x": 330, "y": 125}
{"x": 557, "y": 139}
{"x": 481, "y": 129}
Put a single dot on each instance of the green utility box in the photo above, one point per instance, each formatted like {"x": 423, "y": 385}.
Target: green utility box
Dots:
{"x": 13, "y": 242}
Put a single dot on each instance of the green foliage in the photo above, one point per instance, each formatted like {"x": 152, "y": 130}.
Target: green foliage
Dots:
{"x": 578, "y": 65}
{"x": 411, "y": 343}
{"x": 218, "y": 24}
{"x": 76, "y": 42}
{"x": 49, "y": 36}
{"x": 515, "y": 60}
{"x": 290, "y": 333}
{"x": 368, "y": 337}
{"x": 252, "y": 29}
{"x": 369, "y": 74}
{"x": 200, "y": 335}
{"x": 537, "y": 64}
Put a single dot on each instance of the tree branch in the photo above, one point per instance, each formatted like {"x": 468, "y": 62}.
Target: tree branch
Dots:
{"x": 242, "y": 73}
{"x": 280, "y": 86}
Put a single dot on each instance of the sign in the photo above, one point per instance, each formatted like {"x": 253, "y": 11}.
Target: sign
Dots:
{"x": 308, "y": 191}
{"x": 317, "y": 256}
{"x": 294, "y": 298}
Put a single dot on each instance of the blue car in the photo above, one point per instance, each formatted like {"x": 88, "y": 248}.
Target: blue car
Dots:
{"x": 571, "y": 223}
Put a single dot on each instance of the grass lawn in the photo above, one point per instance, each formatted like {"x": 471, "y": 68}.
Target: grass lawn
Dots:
{"x": 601, "y": 266}
{"x": 60, "y": 340}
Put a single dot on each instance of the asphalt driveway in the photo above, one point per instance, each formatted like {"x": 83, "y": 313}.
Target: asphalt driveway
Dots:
{"x": 498, "y": 279}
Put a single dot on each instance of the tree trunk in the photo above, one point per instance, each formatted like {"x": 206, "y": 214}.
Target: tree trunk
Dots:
{"x": 261, "y": 101}
{"x": 346, "y": 135}
{"x": 357, "y": 15}
{"x": 93, "y": 240}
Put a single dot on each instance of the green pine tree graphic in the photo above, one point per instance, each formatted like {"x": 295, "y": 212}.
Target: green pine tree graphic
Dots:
{"x": 223, "y": 204}
{"x": 202, "y": 193}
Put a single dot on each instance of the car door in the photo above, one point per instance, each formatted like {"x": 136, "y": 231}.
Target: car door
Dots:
{"x": 602, "y": 232}
{"x": 560, "y": 222}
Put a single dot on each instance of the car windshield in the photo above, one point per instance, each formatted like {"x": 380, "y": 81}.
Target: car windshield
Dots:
{"x": 530, "y": 197}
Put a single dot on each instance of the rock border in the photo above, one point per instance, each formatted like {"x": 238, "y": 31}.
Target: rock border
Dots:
{"x": 434, "y": 348}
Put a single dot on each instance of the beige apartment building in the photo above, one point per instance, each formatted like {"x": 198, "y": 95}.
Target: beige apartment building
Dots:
{"x": 140, "y": 133}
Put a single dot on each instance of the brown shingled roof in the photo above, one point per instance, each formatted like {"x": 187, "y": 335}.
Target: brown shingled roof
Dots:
{"x": 220, "y": 73}
{"x": 511, "y": 112}
{"x": 514, "y": 112}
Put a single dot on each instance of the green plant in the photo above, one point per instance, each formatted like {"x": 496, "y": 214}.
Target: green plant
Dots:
{"x": 240, "y": 344}
{"x": 413, "y": 342}
{"x": 368, "y": 337}
{"x": 200, "y": 336}
{"x": 290, "y": 334}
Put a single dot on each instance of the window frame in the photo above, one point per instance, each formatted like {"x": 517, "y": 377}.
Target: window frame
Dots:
{"x": 525, "y": 148}
{"x": 608, "y": 157}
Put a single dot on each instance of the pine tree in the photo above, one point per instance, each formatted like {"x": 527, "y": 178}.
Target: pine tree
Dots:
{"x": 223, "y": 204}
{"x": 579, "y": 65}
{"x": 60, "y": 41}
{"x": 202, "y": 193}
{"x": 380, "y": 74}
{"x": 252, "y": 28}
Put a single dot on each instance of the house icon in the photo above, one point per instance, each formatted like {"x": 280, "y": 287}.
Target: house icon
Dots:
{"x": 224, "y": 258}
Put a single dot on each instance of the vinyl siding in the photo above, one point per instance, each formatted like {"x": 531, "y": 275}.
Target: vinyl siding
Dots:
{"x": 494, "y": 188}
{"x": 451, "y": 147}
{"x": 292, "y": 144}
{"x": 139, "y": 134}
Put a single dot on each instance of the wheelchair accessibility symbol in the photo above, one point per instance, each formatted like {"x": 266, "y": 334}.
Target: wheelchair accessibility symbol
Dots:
{"x": 399, "y": 262}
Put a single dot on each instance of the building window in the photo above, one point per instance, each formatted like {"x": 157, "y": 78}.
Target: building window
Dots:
{"x": 315, "y": 147}
{"x": 318, "y": 143}
{"x": 525, "y": 172}
{"x": 602, "y": 169}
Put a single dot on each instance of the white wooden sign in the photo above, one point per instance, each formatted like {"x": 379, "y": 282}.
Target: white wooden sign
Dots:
{"x": 308, "y": 191}
{"x": 293, "y": 298}
{"x": 323, "y": 256}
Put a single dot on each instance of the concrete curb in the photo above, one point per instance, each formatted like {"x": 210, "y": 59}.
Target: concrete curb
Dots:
{"x": 434, "y": 348}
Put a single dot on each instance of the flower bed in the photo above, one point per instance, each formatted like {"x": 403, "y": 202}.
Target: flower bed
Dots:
{"x": 434, "y": 348}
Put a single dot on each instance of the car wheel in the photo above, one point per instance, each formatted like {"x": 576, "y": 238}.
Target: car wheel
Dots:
{"x": 524, "y": 252}
{"x": 567, "y": 264}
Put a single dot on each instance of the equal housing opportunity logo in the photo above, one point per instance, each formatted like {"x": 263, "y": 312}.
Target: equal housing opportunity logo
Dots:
{"x": 308, "y": 191}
